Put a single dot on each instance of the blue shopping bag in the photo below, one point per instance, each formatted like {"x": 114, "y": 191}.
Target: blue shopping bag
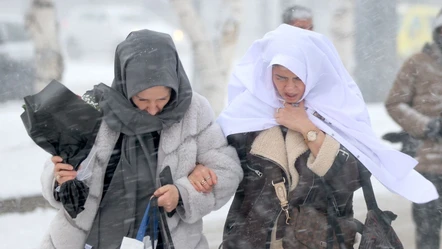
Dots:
{"x": 150, "y": 217}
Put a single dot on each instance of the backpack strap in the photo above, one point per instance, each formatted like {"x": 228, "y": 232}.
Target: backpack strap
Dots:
{"x": 367, "y": 188}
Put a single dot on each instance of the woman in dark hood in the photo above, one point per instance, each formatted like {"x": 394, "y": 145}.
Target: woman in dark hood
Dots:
{"x": 151, "y": 121}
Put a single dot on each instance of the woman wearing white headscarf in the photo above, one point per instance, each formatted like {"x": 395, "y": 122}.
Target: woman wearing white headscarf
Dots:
{"x": 296, "y": 118}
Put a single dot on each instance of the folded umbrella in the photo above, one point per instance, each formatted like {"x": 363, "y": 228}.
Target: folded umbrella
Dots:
{"x": 64, "y": 125}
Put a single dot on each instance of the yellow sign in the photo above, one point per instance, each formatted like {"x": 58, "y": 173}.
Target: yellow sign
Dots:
{"x": 415, "y": 27}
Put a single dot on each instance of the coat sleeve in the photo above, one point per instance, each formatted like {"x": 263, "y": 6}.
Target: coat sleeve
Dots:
{"x": 339, "y": 169}
{"x": 337, "y": 165}
{"x": 213, "y": 152}
{"x": 399, "y": 100}
{"x": 48, "y": 182}
{"x": 239, "y": 142}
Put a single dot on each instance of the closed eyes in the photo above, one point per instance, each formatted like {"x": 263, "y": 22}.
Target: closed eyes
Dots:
{"x": 279, "y": 77}
{"x": 144, "y": 100}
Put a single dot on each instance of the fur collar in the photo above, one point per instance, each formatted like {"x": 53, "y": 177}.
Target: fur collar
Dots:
{"x": 270, "y": 144}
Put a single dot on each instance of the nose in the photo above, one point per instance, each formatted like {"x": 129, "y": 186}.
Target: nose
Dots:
{"x": 153, "y": 110}
{"x": 290, "y": 86}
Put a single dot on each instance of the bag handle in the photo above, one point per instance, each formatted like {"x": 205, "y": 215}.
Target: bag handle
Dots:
{"x": 332, "y": 213}
{"x": 367, "y": 188}
{"x": 148, "y": 213}
{"x": 167, "y": 239}
{"x": 165, "y": 232}
{"x": 151, "y": 211}
{"x": 281, "y": 193}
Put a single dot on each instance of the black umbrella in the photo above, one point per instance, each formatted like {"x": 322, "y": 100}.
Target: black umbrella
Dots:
{"x": 64, "y": 125}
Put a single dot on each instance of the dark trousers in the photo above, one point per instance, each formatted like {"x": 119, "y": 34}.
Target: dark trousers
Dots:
{"x": 428, "y": 218}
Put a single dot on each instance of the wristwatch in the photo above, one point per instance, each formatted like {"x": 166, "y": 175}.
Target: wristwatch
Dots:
{"x": 311, "y": 136}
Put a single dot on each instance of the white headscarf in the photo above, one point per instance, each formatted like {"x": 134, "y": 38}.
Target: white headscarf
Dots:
{"x": 330, "y": 91}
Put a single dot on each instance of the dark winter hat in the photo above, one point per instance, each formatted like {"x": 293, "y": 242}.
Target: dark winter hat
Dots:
{"x": 437, "y": 25}
{"x": 296, "y": 12}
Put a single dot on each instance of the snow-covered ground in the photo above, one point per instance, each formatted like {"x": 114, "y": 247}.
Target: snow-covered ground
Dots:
{"x": 22, "y": 162}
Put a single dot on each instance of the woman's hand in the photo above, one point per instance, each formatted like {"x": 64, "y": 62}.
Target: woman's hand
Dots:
{"x": 293, "y": 117}
{"x": 62, "y": 172}
{"x": 168, "y": 197}
{"x": 202, "y": 178}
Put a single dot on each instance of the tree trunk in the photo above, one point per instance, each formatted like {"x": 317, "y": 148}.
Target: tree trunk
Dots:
{"x": 212, "y": 68}
{"x": 42, "y": 23}
{"x": 229, "y": 38}
{"x": 342, "y": 31}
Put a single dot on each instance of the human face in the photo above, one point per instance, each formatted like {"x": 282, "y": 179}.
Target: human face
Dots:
{"x": 289, "y": 85}
{"x": 303, "y": 23}
{"x": 152, "y": 100}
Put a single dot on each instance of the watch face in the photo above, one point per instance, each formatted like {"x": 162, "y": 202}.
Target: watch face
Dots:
{"x": 311, "y": 136}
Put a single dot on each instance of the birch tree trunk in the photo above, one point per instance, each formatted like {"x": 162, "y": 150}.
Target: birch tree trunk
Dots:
{"x": 213, "y": 67}
{"x": 343, "y": 31}
{"x": 41, "y": 21}
{"x": 375, "y": 47}
{"x": 229, "y": 38}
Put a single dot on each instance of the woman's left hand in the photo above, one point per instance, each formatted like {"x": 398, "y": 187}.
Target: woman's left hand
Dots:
{"x": 293, "y": 117}
{"x": 202, "y": 178}
{"x": 168, "y": 197}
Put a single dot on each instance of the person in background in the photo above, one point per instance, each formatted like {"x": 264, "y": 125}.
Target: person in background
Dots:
{"x": 415, "y": 103}
{"x": 298, "y": 16}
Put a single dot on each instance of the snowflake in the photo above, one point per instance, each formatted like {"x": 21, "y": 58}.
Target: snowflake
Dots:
{"x": 91, "y": 101}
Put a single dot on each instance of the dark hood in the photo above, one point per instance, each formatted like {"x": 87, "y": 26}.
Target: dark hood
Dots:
{"x": 144, "y": 60}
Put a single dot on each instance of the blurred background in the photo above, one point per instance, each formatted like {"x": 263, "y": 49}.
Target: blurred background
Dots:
{"x": 372, "y": 37}
{"x": 74, "y": 42}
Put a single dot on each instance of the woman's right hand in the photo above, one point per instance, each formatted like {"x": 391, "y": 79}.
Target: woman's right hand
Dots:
{"x": 62, "y": 172}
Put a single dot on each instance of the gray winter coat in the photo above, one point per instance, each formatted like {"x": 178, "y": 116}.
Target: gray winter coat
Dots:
{"x": 197, "y": 138}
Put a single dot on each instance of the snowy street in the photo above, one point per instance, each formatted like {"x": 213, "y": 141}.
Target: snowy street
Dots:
{"x": 22, "y": 162}
{"x": 248, "y": 49}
